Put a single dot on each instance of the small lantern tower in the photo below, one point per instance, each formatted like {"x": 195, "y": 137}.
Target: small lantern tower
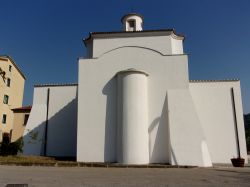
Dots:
{"x": 132, "y": 22}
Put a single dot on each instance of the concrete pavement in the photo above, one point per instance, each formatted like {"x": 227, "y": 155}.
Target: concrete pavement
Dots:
{"x": 121, "y": 177}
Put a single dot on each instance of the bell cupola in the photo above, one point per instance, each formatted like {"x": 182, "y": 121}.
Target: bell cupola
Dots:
{"x": 132, "y": 22}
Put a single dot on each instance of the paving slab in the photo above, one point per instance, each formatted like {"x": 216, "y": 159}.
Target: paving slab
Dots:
{"x": 36, "y": 176}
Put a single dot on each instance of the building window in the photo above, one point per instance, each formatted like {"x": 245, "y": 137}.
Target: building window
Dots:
{"x": 131, "y": 24}
{"x": 6, "y": 99}
{"x": 4, "y": 119}
{"x": 10, "y": 67}
{"x": 26, "y": 117}
{"x": 8, "y": 82}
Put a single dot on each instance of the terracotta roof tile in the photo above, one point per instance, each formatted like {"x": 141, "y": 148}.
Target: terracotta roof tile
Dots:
{"x": 22, "y": 108}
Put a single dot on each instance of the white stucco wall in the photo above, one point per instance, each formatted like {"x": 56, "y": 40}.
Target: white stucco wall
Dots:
{"x": 213, "y": 103}
{"x": 62, "y": 123}
{"x": 163, "y": 44}
{"x": 188, "y": 145}
{"x": 33, "y": 135}
{"x": 97, "y": 106}
{"x": 176, "y": 46}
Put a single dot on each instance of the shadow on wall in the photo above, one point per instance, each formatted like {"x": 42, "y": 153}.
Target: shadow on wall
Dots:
{"x": 62, "y": 134}
{"x": 161, "y": 148}
{"x": 174, "y": 161}
{"x": 235, "y": 123}
{"x": 34, "y": 140}
{"x": 62, "y": 131}
{"x": 110, "y": 90}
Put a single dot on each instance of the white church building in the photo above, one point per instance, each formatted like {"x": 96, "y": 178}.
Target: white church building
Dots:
{"x": 134, "y": 104}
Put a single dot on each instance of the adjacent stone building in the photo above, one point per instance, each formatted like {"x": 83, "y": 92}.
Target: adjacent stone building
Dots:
{"x": 21, "y": 116}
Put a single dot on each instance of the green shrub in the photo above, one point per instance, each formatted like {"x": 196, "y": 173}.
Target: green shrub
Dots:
{"x": 13, "y": 148}
{"x": 247, "y": 130}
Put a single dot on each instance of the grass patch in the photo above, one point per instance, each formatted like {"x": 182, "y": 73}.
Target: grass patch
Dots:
{"x": 31, "y": 159}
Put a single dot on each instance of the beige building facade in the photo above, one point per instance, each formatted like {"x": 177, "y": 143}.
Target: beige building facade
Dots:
{"x": 12, "y": 82}
{"x": 21, "y": 116}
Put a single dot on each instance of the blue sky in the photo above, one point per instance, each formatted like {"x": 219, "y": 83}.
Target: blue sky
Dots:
{"x": 44, "y": 37}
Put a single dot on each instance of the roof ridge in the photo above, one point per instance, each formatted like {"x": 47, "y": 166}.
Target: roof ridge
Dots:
{"x": 23, "y": 108}
{"x": 55, "y": 84}
{"x": 173, "y": 33}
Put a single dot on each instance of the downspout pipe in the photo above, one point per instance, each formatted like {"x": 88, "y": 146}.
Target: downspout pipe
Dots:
{"x": 46, "y": 124}
{"x": 236, "y": 124}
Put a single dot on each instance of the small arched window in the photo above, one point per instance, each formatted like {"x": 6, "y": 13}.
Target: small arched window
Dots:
{"x": 131, "y": 25}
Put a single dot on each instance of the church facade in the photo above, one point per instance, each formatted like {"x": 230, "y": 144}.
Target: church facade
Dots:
{"x": 134, "y": 104}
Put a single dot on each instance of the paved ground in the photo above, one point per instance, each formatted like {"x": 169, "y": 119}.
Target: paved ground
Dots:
{"x": 135, "y": 177}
